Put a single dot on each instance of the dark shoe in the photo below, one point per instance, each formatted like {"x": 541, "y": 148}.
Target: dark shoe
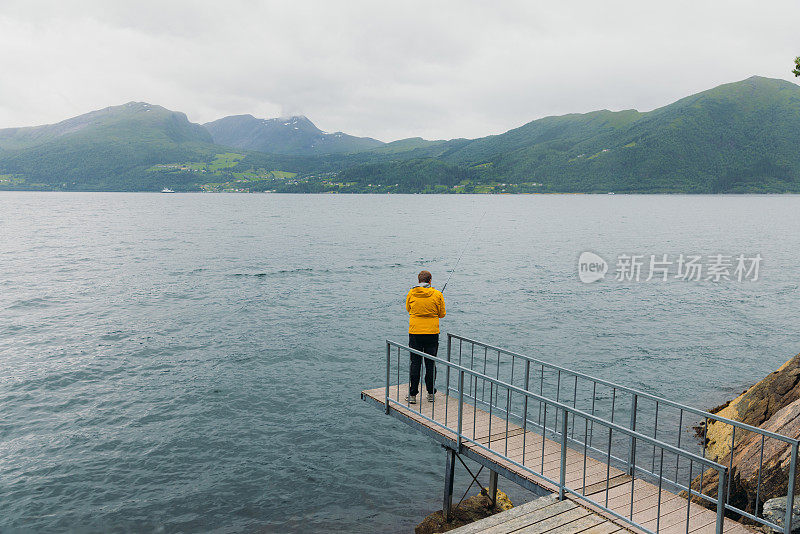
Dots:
{"x": 411, "y": 399}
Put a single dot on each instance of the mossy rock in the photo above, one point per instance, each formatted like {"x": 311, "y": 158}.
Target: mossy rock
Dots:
{"x": 773, "y": 405}
{"x": 754, "y": 407}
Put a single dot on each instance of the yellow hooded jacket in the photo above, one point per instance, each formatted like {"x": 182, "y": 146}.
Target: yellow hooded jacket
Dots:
{"x": 425, "y": 305}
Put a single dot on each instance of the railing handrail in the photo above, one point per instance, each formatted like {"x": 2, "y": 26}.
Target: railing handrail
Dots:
{"x": 660, "y": 400}
{"x": 567, "y": 408}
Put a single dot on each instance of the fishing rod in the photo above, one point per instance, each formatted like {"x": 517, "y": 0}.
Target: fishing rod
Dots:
{"x": 469, "y": 240}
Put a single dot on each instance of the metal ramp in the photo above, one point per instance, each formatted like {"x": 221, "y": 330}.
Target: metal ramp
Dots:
{"x": 538, "y": 424}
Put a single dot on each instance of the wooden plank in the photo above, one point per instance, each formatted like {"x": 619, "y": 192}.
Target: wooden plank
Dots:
{"x": 534, "y": 477}
{"x": 436, "y": 411}
{"x": 503, "y": 517}
{"x": 554, "y": 471}
{"x": 622, "y": 493}
{"x": 543, "y": 514}
{"x": 478, "y": 418}
{"x": 574, "y": 465}
{"x": 699, "y": 522}
{"x": 600, "y": 487}
{"x": 595, "y": 469}
{"x": 675, "y": 522}
{"x": 533, "y": 441}
{"x": 552, "y": 523}
{"x": 533, "y": 451}
{"x": 620, "y": 498}
{"x": 595, "y": 475}
{"x": 734, "y": 527}
{"x": 606, "y": 527}
{"x": 669, "y": 503}
{"x": 575, "y": 460}
{"x": 501, "y": 436}
{"x": 595, "y": 480}
{"x": 578, "y": 525}
{"x": 497, "y": 428}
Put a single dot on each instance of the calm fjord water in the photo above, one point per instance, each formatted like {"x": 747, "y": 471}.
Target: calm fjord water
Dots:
{"x": 193, "y": 362}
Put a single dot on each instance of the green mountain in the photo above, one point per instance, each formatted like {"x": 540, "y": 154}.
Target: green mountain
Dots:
{"x": 293, "y": 135}
{"x": 101, "y": 150}
{"x": 738, "y": 137}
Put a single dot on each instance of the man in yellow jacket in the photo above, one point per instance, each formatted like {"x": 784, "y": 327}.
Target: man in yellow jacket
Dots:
{"x": 425, "y": 306}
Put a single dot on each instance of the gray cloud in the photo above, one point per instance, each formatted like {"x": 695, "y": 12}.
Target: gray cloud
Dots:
{"x": 384, "y": 69}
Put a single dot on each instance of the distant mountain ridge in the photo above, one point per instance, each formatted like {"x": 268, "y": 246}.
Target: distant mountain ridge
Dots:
{"x": 737, "y": 137}
{"x": 291, "y": 135}
{"x": 103, "y": 149}
{"x": 173, "y": 124}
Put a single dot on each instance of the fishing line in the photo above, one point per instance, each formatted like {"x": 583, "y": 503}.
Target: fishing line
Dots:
{"x": 463, "y": 250}
{"x": 469, "y": 240}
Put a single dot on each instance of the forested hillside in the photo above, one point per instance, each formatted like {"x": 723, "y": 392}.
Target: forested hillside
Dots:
{"x": 102, "y": 150}
{"x": 738, "y": 137}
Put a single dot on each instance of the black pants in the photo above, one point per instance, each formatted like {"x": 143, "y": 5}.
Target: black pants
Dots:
{"x": 429, "y": 344}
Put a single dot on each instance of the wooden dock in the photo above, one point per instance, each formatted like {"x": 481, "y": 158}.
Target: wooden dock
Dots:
{"x": 653, "y": 509}
{"x": 546, "y": 514}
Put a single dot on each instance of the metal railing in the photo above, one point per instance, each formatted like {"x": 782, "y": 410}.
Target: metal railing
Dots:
{"x": 639, "y": 432}
{"x": 659, "y": 418}
{"x": 517, "y": 409}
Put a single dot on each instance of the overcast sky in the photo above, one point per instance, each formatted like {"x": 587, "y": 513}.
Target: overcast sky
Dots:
{"x": 385, "y": 69}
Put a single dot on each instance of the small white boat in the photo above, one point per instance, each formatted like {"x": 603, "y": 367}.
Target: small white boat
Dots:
{"x": 167, "y": 190}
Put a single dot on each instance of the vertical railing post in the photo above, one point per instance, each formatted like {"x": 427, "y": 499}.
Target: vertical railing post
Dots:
{"x": 787, "y": 522}
{"x": 447, "y": 371}
{"x": 460, "y": 408}
{"x": 632, "y": 453}
{"x": 563, "y": 475}
{"x": 388, "y": 365}
{"x": 525, "y": 402}
{"x": 721, "y": 493}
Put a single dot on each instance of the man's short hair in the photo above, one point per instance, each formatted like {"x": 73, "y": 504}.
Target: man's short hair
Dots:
{"x": 424, "y": 277}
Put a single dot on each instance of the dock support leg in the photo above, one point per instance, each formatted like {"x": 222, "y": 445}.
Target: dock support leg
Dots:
{"x": 449, "y": 474}
{"x": 493, "y": 488}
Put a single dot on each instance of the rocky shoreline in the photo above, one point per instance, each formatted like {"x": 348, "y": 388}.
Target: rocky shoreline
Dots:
{"x": 772, "y": 404}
